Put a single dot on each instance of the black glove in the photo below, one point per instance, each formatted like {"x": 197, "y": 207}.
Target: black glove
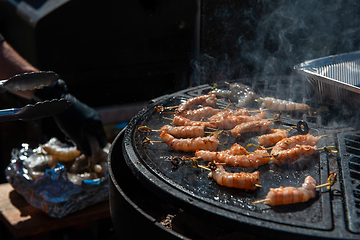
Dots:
{"x": 76, "y": 121}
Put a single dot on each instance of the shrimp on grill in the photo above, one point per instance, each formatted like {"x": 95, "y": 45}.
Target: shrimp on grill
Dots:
{"x": 190, "y": 144}
{"x": 199, "y": 113}
{"x": 238, "y": 92}
{"x": 229, "y": 122}
{"x": 289, "y": 195}
{"x": 210, "y": 156}
{"x": 208, "y": 100}
{"x": 292, "y": 154}
{"x": 181, "y": 121}
{"x": 291, "y": 142}
{"x": 184, "y": 131}
{"x": 253, "y": 159}
{"x": 242, "y": 180}
{"x": 229, "y": 112}
{"x": 283, "y": 105}
{"x": 271, "y": 138}
{"x": 253, "y": 126}
{"x": 236, "y": 149}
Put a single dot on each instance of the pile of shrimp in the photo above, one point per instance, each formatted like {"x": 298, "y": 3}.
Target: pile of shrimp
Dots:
{"x": 60, "y": 151}
{"x": 74, "y": 161}
{"x": 198, "y": 125}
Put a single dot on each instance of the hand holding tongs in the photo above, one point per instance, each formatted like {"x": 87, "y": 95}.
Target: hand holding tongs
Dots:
{"x": 30, "y": 81}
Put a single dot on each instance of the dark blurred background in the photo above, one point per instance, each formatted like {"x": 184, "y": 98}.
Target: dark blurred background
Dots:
{"x": 108, "y": 52}
{"x": 112, "y": 54}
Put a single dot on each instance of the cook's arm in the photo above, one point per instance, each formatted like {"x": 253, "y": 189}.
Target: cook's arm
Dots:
{"x": 11, "y": 63}
{"x": 75, "y": 122}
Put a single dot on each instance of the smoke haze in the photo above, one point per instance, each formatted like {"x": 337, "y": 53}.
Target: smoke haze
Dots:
{"x": 241, "y": 39}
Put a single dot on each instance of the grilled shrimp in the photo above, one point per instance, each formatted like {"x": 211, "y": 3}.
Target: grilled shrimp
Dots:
{"x": 292, "y": 154}
{"x": 291, "y": 142}
{"x": 190, "y": 144}
{"x": 198, "y": 114}
{"x": 181, "y": 121}
{"x": 229, "y": 112}
{"x": 254, "y": 159}
{"x": 240, "y": 180}
{"x": 184, "y": 131}
{"x": 208, "y": 100}
{"x": 283, "y": 105}
{"x": 274, "y": 136}
{"x": 236, "y": 149}
{"x": 289, "y": 195}
{"x": 238, "y": 92}
{"x": 246, "y": 93}
{"x": 229, "y": 122}
{"x": 232, "y": 95}
{"x": 210, "y": 156}
{"x": 253, "y": 126}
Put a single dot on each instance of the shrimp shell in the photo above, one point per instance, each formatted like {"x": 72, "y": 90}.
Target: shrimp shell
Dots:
{"x": 274, "y": 136}
{"x": 229, "y": 122}
{"x": 184, "y": 131}
{"x": 240, "y": 180}
{"x": 283, "y": 105}
{"x": 198, "y": 114}
{"x": 210, "y": 156}
{"x": 293, "y": 154}
{"x": 208, "y": 100}
{"x": 190, "y": 144}
{"x": 289, "y": 195}
{"x": 181, "y": 121}
{"x": 59, "y": 151}
{"x": 291, "y": 142}
{"x": 253, "y": 126}
{"x": 254, "y": 159}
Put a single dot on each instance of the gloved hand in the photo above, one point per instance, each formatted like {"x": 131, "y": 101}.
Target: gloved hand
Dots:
{"x": 76, "y": 121}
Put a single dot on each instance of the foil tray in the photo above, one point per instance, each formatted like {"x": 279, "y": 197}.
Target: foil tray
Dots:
{"x": 336, "y": 77}
{"x": 53, "y": 192}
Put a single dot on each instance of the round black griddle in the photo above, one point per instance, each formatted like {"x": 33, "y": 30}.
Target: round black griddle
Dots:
{"x": 192, "y": 189}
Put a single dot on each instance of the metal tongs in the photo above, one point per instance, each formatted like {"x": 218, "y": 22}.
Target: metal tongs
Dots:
{"x": 38, "y": 110}
{"x": 30, "y": 81}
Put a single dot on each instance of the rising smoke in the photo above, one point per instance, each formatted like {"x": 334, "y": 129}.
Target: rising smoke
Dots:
{"x": 241, "y": 39}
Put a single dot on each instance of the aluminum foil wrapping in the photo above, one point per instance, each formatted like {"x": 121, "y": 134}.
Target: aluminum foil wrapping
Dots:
{"x": 53, "y": 192}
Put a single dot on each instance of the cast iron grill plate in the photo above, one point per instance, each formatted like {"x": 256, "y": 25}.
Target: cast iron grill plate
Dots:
{"x": 191, "y": 187}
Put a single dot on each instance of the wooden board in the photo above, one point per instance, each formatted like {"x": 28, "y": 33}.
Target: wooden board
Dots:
{"x": 24, "y": 220}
